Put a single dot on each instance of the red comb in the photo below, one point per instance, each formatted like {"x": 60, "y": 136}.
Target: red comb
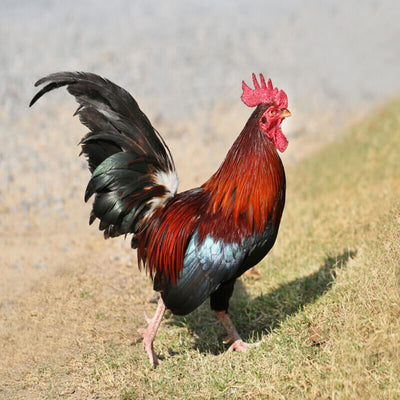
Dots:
{"x": 263, "y": 94}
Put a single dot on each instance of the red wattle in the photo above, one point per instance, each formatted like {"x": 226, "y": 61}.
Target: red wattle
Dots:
{"x": 280, "y": 141}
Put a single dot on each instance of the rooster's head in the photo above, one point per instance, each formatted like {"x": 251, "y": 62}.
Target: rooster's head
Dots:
{"x": 276, "y": 111}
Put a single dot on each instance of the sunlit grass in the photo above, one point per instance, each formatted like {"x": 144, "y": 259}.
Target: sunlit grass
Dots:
{"x": 324, "y": 303}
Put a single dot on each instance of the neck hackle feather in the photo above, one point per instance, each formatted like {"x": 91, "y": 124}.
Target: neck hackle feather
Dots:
{"x": 244, "y": 189}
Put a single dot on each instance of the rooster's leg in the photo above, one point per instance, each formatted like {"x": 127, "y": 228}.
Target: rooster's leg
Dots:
{"x": 149, "y": 333}
{"x": 233, "y": 335}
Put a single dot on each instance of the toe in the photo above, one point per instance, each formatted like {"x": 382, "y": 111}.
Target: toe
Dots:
{"x": 242, "y": 347}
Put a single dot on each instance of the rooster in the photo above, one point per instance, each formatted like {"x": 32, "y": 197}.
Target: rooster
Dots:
{"x": 196, "y": 243}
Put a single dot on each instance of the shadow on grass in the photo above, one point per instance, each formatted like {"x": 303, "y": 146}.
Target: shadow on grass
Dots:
{"x": 254, "y": 317}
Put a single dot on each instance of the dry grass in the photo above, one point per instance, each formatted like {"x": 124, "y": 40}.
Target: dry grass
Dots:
{"x": 325, "y": 302}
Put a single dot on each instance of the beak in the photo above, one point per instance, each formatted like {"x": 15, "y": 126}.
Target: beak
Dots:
{"x": 285, "y": 113}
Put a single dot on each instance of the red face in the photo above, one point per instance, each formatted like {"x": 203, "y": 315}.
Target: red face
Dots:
{"x": 270, "y": 123}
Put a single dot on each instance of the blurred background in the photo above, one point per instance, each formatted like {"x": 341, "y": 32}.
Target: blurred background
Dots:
{"x": 185, "y": 59}
{"x": 184, "y": 62}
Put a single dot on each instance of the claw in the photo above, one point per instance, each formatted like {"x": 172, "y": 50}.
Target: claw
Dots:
{"x": 148, "y": 320}
{"x": 227, "y": 340}
{"x": 230, "y": 339}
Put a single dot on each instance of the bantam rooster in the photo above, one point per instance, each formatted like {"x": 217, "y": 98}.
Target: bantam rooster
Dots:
{"x": 194, "y": 244}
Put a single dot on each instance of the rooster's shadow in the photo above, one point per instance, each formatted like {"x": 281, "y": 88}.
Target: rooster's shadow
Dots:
{"x": 255, "y": 317}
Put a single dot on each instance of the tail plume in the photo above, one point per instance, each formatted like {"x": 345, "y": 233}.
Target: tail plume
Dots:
{"x": 133, "y": 172}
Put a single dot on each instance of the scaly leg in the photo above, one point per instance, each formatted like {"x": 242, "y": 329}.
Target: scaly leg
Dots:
{"x": 149, "y": 333}
{"x": 233, "y": 335}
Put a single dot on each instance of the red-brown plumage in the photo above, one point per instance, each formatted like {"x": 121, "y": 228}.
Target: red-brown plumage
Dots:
{"x": 235, "y": 203}
{"x": 243, "y": 191}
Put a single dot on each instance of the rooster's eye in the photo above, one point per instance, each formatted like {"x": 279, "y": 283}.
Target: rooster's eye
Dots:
{"x": 271, "y": 112}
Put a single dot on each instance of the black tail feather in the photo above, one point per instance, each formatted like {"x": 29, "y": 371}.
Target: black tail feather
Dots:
{"x": 125, "y": 153}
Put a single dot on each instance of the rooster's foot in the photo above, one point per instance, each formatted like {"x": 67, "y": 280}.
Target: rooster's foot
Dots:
{"x": 240, "y": 346}
{"x": 148, "y": 346}
{"x": 149, "y": 333}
